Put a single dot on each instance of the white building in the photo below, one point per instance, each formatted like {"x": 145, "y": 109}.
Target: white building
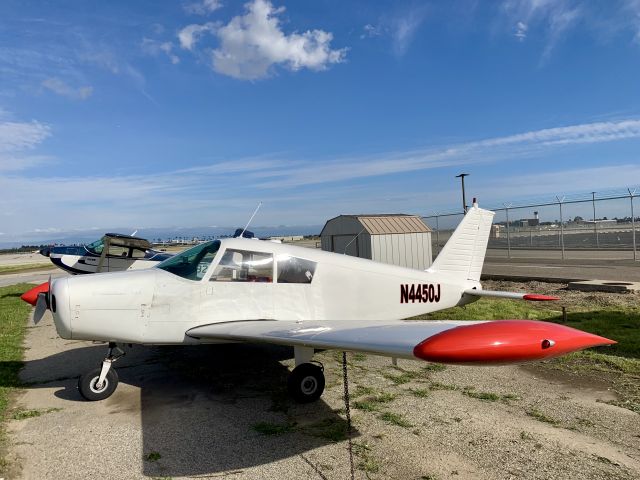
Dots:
{"x": 403, "y": 240}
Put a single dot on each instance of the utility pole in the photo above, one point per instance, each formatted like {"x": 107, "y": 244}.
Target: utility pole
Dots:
{"x": 464, "y": 197}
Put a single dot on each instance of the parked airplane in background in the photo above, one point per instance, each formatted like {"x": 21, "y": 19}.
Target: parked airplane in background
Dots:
{"x": 112, "y": 253}
{"x": 241, "y": 290}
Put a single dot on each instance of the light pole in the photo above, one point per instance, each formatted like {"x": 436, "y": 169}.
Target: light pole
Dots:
{"x": 464, "y": 197}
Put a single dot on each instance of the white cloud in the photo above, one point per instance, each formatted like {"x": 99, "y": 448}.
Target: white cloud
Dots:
{"x": 190, "y": 34}
{"x": 370, "y": 30}
{"x": 404, "y": 28}
{"x": 59, "y": 87}
{"x": 155, "y": 48}
{"x": 554, "y": 17}
{"x": 203, "y": 7}
{"x": 489, "y": 150}
{"x": 253, "y": 43}
{"x": 15, "y": 138}
{"x": 521, "y": 31}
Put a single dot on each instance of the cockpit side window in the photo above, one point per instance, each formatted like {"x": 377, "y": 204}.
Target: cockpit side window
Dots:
{"x": 193, "y": 263}
{"x": 295, "y": 270}
{"x": 244, "y": 266}
{"x": 96, "y": 247}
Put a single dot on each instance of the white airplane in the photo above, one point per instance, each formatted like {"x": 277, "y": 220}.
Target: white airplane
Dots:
{"x": 242, "y": 290}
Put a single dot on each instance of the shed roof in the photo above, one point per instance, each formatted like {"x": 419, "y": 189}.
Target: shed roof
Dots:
{"x": 383, "y": 224}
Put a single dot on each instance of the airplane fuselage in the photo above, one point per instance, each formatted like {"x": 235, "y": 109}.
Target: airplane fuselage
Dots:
{"x": 278, "y": 281}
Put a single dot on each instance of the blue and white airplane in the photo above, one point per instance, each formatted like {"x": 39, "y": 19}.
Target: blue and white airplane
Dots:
{"x": 112, "y": 253}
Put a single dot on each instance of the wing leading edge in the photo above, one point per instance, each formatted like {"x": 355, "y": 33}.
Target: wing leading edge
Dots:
{"x": 494, "y": 342}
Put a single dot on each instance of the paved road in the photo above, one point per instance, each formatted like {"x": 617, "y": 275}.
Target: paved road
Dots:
{"x": 600, "y": 265}
{"x": 35, "y": 276}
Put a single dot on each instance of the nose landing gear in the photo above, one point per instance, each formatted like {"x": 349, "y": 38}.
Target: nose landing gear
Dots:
{"x": 100, "y": 383}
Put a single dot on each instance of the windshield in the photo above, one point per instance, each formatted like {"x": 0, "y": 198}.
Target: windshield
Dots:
{"x": 193, "y": 263}
{"x": 96, "y": 247}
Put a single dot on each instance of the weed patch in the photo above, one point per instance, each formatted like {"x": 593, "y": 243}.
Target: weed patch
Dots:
{"x": 266, "y": 428}
{"x": 395, "y": 419}
{"x": 23, "y": 414}
{"x": 538, "y": 415}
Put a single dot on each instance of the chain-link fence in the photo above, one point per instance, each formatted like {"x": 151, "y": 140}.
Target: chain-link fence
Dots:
{"x": 602, "y": 221}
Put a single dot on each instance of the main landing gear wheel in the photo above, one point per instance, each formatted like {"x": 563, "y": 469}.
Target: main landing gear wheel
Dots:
{"x": 306, "y": 383}
{"x": 92, "y": 390}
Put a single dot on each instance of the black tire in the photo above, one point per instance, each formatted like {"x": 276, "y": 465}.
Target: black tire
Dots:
{"x": 87, "y": 385}
{"x": 306, "y": 383}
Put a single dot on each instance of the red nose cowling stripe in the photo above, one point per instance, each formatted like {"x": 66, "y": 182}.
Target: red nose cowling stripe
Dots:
{"x": 505, "y": 341}
{"x": 31, "y": 296}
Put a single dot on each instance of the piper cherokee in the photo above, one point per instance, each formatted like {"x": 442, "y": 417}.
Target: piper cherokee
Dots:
{"x": 243, "y": 290}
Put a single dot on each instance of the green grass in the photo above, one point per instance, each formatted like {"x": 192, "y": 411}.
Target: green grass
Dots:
{"x": 372, "y": 403}
{"x": 23, "y": 414}
{"x": 153, "y": 457}
{"x": 542, "y": 417}
{"x": 267, "y": 428}
{"x": 403, "y": 376}
{"x": 442, "y": 386}
{"x": 395, "y": 419}
{"x": 489, "y": 396}
{"x": 334, "y": 429}
{"x": 13, "y": 322}
{"x": 5, "y": 269}
{"x": 420, "y": 392}
{"x": 367, "y": 463}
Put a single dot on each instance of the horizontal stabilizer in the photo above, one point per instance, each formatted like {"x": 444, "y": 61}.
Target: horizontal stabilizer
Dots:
{"x": 532, "y": 297}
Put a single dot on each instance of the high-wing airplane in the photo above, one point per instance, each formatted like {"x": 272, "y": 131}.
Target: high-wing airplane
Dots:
{"x": 242, "y": 290}
{"x": 114, "y": 252}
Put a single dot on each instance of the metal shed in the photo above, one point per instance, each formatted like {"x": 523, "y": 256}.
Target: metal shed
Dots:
{"x": 397, "y": 239}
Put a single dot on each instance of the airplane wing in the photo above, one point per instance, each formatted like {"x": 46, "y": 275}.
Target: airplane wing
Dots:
{"x": 532, "y": 297}
{"x": 492, "y": 342}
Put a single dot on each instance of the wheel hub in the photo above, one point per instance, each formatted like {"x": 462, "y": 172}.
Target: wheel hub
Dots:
{"x": 98, "y": 388}
{"x": 309, "y": 385}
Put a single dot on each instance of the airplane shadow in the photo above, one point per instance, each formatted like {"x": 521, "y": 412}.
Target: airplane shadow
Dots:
{"x": 204, "y": 409}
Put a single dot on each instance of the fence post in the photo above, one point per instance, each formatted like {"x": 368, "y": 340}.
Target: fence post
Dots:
{"x": 633, "y": 224}
{"x": 595, "y": 224}
{"x": 508, "y": 235}
{"x": 437, "y": 234}
{"x": 561, "y": 226}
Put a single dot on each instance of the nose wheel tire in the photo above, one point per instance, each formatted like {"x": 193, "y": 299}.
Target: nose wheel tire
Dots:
{"x": 89, "y": 388}
{"x": 306, "y": 383}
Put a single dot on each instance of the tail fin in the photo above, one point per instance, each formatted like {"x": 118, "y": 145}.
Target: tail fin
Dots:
{"x": 463, "y": 255}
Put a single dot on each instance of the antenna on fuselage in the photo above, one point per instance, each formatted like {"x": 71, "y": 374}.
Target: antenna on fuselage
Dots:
{"x": 249, "y": 222}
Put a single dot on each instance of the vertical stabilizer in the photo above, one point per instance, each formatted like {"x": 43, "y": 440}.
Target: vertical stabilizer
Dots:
{"x": 463, "y": 255}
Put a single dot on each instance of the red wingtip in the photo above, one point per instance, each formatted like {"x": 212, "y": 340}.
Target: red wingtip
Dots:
{"x": 535, "y": 297}
{"x": 31, "y": 296}
{"x": 505, "y": 341}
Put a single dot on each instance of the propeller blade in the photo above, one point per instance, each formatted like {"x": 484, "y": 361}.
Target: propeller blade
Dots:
{"x": 41, "y": 308}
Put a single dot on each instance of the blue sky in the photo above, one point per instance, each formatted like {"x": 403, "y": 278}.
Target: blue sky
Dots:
{"x": 188, "y": 113}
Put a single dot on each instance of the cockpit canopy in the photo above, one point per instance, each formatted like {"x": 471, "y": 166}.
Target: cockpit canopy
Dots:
{"x": 193, "y": 263}
{"x": 239, "y": 265}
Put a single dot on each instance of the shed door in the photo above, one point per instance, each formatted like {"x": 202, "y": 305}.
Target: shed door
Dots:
{"x": 346, "y": 244}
